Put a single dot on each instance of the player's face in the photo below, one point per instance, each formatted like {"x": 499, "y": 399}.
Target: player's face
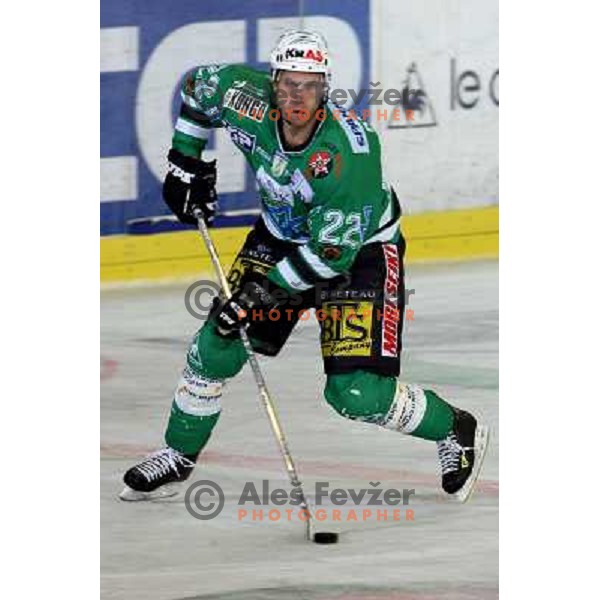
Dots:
{"x": 298, "y": 95}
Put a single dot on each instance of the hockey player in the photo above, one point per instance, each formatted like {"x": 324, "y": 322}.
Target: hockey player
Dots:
{"x": 328, "y": 238}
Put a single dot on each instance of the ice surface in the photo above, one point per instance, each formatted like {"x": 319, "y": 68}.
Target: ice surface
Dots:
{"x": 157, "y": 550}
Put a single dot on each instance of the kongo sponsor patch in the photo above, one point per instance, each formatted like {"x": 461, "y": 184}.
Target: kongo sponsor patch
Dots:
{"x": 245, "y": 104}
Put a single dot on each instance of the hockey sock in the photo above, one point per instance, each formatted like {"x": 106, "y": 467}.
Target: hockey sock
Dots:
{"x": 194, "y": 412}
{"x": 373, "y": 398}
{"x": 197, "y": 403}
{"x": 420, "y": 413}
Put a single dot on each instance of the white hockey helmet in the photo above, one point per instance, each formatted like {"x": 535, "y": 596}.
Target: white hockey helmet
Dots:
{"x": 304, "y": 51}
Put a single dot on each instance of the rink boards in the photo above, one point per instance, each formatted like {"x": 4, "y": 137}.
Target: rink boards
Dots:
{"x": 453, "y": 235}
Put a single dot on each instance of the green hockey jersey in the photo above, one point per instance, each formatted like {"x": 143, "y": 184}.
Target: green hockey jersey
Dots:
{"x": 330, "y": 197}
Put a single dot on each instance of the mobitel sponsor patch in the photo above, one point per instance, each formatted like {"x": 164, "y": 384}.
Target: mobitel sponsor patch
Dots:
{"x": 391, "y": 315}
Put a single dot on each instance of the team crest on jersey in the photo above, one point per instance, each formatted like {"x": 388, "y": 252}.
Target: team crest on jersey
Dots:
{"x": 245, "y": 104}
{"x": 208, "y": 88}
{"x": 320, "y": 164}
{"x": 279, "y": 164}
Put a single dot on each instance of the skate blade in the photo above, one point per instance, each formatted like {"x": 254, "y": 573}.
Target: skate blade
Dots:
{"x": 482, "y": 435}
{"x": 166, "y": 491}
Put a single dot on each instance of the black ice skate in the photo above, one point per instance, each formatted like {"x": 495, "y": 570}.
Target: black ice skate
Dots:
{"x": 461, "y": 455}
{"x": 157, "y": 475}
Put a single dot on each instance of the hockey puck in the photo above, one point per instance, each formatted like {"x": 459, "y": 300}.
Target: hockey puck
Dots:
{"x": 325, "y": 537}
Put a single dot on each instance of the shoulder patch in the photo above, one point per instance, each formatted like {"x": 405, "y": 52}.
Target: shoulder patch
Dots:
{"x": 243, "y": 140}
{"x": 355, "y": 132}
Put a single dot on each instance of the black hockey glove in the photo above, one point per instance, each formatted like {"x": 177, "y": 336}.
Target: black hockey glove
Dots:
{"x": 242, "y": 307}
{"x": 190, "y": 184}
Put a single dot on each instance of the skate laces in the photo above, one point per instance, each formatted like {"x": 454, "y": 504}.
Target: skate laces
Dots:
{"x": 161, "y": 462}
{"x": 449, "y": 451}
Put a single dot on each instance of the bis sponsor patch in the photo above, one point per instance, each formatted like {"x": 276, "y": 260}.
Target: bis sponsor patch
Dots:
{"x": 346, "y": 329}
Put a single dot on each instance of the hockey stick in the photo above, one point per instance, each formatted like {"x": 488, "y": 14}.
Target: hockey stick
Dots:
{"x": 263, "y": 392}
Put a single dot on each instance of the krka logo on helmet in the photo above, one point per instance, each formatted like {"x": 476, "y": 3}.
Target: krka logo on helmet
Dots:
{"x": 309, "y": 54}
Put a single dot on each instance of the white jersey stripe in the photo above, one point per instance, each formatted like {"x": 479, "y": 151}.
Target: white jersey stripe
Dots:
{"x": 292, "y": 278}
{"x": 387, "y": 214}
{"x": 316, "y": 264}
{"x": 385, "y": 235}
{"x": 191, "y": 129}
